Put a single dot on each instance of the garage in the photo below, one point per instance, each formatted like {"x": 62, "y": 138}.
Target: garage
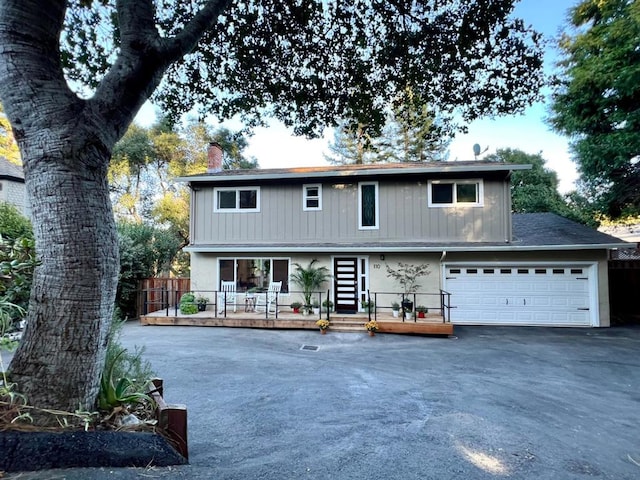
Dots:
{"x": 522, "y": 294}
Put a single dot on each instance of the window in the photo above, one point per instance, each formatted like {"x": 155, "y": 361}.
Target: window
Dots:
{"x": 241, "y": 199}
{"x": 312, "y": 197}
{"x": 368, "y": 216}
{"x": 445, "y": 193}
{"x": 254, "y": 272}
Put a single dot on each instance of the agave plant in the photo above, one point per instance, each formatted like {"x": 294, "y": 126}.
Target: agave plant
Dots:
{"x": 121, "y": 392}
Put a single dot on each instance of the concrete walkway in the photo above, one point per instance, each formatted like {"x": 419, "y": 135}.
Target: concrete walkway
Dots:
{"x": 491, "y": 403}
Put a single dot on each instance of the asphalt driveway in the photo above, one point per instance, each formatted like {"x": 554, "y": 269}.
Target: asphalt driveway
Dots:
{"x": 491, "y": 403}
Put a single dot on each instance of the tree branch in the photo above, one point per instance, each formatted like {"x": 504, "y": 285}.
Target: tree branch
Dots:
{"x": 144, "y": 58}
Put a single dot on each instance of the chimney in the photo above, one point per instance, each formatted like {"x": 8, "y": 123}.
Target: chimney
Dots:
{"x": 214, "y": 156}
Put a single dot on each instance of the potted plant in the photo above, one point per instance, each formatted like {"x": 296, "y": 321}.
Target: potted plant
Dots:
{"x": 368, "y": 306}
{"x": 372, "y": 327}
{"x": 327, "y": 305}
{"x": 202, "y": 302}
{"x": 395, "y": 309}
{"x": 421, "y": 310}
{"x": 310, "y": 279}
{"x": 407, "y": 275}
{"x": 316, "y": 307}
{"x": 323, "y": 325}
{"x": 407, "y": 310}
{"x": 296, "y": 306}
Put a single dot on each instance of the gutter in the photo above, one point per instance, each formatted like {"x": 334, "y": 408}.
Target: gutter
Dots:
{"x": 389, "y": 248}
{"x": 306, "y": 173}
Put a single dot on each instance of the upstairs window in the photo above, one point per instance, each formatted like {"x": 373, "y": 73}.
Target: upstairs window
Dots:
{"x": 368, "y": 214}
{"x": 312, "y": 197}
{"x": 445, "y": 193}
{"x": 240, "y": 199}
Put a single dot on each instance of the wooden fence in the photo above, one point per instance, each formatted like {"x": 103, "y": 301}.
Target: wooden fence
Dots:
{"x": 155, "y": 293}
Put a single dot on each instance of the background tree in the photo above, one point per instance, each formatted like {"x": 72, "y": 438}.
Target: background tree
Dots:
{"x": 17, "y": 256}
{"x": 307, "y": 63}
{"x": 145, "y": 251}
{"x": 596, "y": 97}
{"x": 411, "y": 133}
{"x": 8, "y": 146}
{"x": 536, "y": 190}
{"x": 352, "y": 144}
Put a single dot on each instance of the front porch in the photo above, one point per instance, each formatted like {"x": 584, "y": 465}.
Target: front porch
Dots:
{"x": 431, "y": 324}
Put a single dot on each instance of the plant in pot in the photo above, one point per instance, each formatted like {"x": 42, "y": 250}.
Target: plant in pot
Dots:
{"x": 372, "y": 327}
{"x": 323, "y": 325}
{"x": 327, "y": 305}
{"x": 202, "y": 302}
{"x": 310, "y": 279}
{"x": 421, "y": 310}
{"x": 395, "y": 309}
{"x": 368, "y": 306}
{"x": 316, "y": 307}
{"x": 296, "y": 307}
{"x": 407, "y": 276}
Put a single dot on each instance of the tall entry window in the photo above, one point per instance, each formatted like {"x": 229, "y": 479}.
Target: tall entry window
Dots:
{"x": 368, "y": 215}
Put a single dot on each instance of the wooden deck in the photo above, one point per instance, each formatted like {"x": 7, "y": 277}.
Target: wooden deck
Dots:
{"x": 431, "y": 325}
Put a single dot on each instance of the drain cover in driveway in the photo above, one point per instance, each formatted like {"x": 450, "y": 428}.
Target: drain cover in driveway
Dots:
{"x": 309, "y": 347}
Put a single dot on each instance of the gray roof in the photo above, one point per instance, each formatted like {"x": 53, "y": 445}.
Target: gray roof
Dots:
{"x": 531, "y": 232}
{"x": 11, "y": 171}
{"x": 346, "y": 171}
{"x": 548, "y": 229}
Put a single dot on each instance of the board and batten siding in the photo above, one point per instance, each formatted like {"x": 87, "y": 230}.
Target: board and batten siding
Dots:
{"x": 403, "y": 216}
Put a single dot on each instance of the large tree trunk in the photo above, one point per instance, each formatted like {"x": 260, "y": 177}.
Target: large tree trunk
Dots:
{"x": 66, "y": 145}
{"x": 74, "y": 288}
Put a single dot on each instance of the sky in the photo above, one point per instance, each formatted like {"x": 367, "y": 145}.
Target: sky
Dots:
{"x": 276, "y": 146}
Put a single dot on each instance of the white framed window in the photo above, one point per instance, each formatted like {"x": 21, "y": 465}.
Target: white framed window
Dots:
{"x": 254, "y": 272}
{"x": 312, "y": 197}
{"x": 368, "y": 206}
{"x": 450, "y": 193}
{"x": 236, "y": 199}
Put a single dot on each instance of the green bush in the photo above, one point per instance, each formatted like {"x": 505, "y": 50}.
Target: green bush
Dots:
{"x": 188, "y": 304}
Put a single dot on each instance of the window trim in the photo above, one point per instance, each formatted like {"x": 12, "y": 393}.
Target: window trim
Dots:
{"x": 480, "y": 193}
{"x": 377, "y": 207}
{"x": 237, "y": 209}
{"x": 285, "y": 283}
{"x": 306, "y": 197}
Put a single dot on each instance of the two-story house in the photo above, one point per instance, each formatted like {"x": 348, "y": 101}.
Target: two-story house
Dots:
{"x": 250, "y": 226}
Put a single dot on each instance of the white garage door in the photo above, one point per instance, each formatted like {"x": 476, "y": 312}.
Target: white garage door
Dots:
{"x": 520, "y": 294}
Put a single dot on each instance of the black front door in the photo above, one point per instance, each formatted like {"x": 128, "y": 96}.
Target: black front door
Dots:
{"x": 346, "y": 284}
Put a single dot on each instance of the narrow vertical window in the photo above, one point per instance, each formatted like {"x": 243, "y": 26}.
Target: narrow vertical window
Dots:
{"x": 368, "y": 205}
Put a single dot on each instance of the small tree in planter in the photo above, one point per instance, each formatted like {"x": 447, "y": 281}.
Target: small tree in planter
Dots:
{"x": 309, "y": 279}
{"x": 407, "y": 276}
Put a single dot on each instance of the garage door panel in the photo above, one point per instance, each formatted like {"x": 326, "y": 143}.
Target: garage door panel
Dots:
{"x": 520, "y": 295}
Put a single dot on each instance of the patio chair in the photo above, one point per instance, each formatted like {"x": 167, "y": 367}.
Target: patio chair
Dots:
{"x": 267, "y": 301}
{"x": 227, "y": 296}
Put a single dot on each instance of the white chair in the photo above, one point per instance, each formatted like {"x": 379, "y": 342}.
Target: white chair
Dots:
{"x": 227, "y": 295}
{"x": 267, "y": 301}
